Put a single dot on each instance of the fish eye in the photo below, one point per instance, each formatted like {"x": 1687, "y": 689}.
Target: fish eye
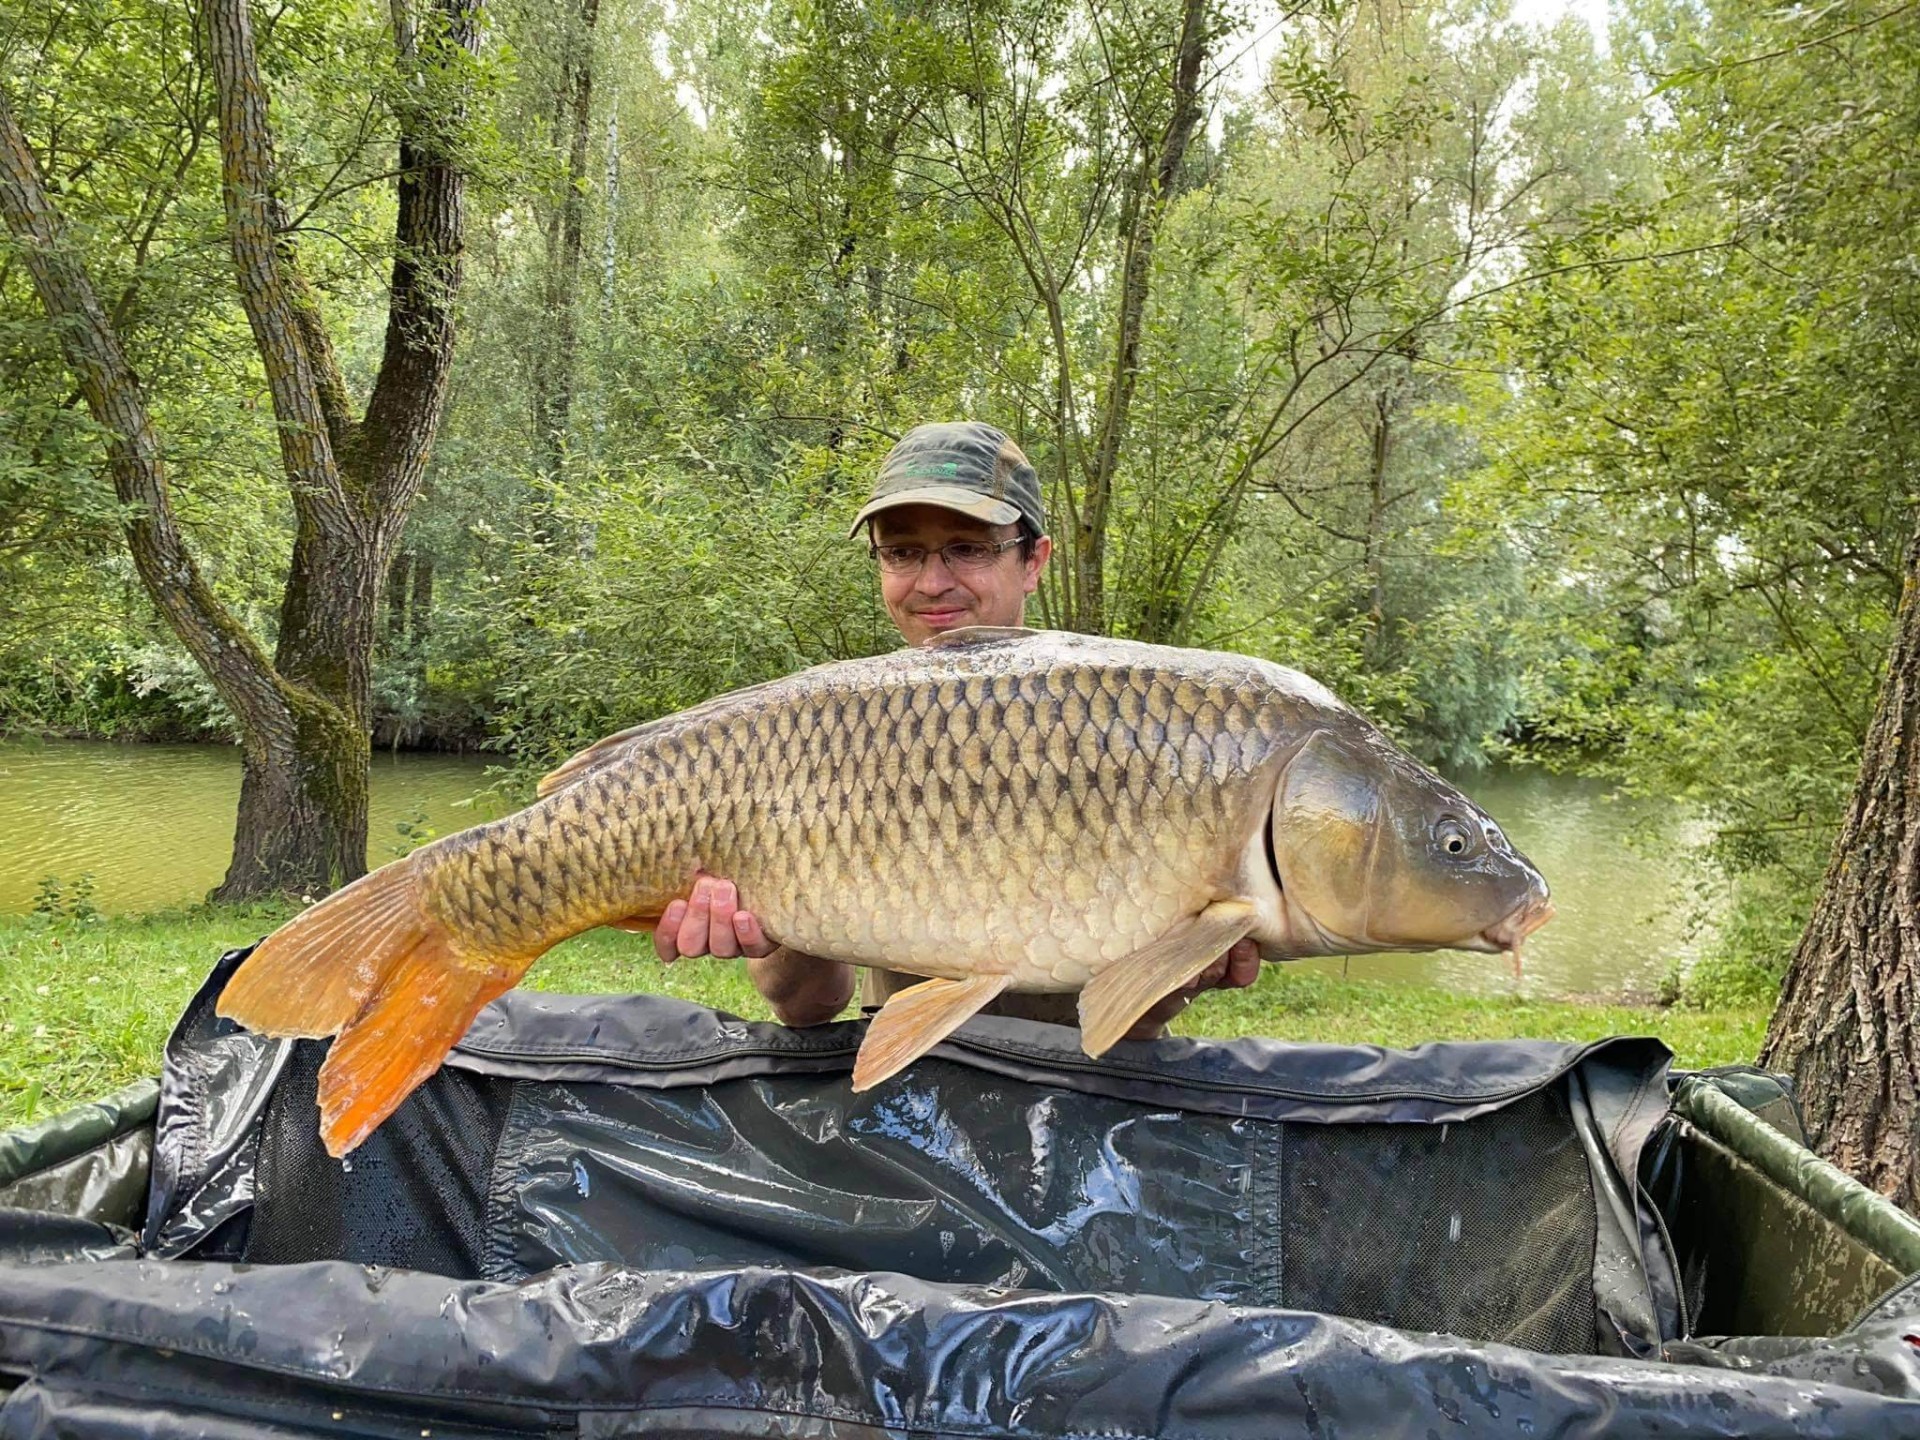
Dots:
{"x": 1452, "y": 836}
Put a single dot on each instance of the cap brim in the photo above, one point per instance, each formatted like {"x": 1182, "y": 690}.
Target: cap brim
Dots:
{"x": 946, "y": 497}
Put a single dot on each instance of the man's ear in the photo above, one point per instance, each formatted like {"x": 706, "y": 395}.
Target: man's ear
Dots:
{"x": 1036, "y": 562}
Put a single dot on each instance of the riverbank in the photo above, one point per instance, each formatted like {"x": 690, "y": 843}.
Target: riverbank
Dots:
{"x": 86, "y": 1005}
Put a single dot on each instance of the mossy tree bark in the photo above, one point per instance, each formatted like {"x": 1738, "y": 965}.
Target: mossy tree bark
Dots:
{"x": 1844, "y": 1027}
{"x": 304, "y": 712}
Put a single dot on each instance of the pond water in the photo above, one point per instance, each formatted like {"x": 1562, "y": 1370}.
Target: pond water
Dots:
{"x": 153, "y": 825}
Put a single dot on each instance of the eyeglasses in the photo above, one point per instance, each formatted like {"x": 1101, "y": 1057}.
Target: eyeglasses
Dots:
{"x": 959, "y": 555}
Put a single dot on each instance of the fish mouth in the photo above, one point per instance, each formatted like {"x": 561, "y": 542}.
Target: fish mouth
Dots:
{"x": 1508, "y": 935}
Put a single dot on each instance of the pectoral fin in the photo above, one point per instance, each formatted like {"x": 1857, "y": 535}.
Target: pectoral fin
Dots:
{"x": 917, "y": 1019}
{"x": 1120, "y": 994}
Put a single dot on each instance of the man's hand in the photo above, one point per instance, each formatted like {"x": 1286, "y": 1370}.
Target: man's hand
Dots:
{"x": 802, "y": 989}
{"x": 710, "y": 922}
{"x": 1235, "y": 970}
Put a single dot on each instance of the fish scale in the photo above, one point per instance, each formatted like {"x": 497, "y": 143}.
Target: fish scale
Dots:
{"x": 1000, "y": 810}
{"x": 928, "y": 829}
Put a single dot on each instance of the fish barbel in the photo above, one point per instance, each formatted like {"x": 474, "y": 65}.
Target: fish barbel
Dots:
{"x": 1000, "y": 810}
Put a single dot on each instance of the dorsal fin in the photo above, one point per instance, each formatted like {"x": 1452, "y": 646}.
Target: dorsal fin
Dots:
{"x": 978, "y": 635}
{"x": 574, "y": 767}
{"x": 579, "y": 766}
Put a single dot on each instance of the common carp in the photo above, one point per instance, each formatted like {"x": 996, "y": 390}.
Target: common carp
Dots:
{"x": 1000, "y": 810}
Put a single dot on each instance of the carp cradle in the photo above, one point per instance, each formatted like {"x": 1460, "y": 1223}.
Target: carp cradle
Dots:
{"x": 613, "y": 1215}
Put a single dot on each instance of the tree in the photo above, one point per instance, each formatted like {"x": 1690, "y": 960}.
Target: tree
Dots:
{"x": 1059, "y": 182}
{"x": 554, "y": 373}
{"x": 304, "y": 713}
{"x": 1848, "y": 1024}
{"x": 1710, "y": 444}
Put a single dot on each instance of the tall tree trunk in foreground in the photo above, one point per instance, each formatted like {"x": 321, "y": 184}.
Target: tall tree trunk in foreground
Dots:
{"x": 304, "y": 714}
{"x": 1844, "y": 1028}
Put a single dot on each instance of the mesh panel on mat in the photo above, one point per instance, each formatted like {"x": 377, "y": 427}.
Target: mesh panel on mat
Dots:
{"x": 1483, "y": 1229}
{"x": 413, "y": 1195}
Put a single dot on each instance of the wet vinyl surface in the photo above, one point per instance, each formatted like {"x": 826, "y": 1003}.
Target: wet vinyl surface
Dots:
{"x": 1454, "y": 1187}
{"x": 723, "y": 1138}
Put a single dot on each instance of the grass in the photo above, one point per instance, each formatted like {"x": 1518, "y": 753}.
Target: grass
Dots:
{"x": 86, "y": 1003}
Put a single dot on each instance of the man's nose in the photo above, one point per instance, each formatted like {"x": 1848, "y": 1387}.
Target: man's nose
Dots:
{"x": 935, "y": 578}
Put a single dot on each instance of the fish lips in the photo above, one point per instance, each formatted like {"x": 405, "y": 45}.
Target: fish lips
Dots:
{"x": 1512, "y": 931}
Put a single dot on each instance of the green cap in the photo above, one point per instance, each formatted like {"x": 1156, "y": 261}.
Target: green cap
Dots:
{"x": 958, "y": 465}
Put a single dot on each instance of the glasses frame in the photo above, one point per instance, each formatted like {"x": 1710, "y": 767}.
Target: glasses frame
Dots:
{"x": 999, "y": 548}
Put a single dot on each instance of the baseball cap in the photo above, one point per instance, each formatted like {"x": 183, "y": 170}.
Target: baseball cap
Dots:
{"x": 960, "y": 465}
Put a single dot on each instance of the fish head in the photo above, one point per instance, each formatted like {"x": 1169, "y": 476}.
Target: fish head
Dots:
{"x": 1372, "y": 851}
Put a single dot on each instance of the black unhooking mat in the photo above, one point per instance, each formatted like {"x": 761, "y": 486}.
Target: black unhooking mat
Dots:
{"x": 617, "y": 1215}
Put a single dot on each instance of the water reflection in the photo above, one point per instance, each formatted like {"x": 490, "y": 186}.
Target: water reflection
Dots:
{"x": 154, "y": 823}
{"x": 1624, "y": 877}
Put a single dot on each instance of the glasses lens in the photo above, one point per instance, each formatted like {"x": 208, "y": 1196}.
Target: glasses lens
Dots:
{"x": 900, "y": 559}
{"x": 970, "y": 554}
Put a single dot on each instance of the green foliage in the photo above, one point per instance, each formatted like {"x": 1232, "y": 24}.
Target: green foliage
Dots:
{"x": 1545, "y": 401}
{"x": 57, "y": 899}
{"x": 1710, "y": 438}
{"x": 413, "y": 832}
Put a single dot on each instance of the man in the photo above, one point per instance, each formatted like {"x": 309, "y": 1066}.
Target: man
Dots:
{"x": 959, "y": 538}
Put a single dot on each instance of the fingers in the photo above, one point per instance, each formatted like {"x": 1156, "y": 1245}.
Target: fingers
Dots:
{"x": 666, "y": 935}
{"x": 1243, "y": 965}
{"x": 723, "y": 901}
{"x": 753, "y": 940}
{"x": 1153, "y": 1024}
{"x": 1235, "y": 970}
{"x": 710, "y": 922}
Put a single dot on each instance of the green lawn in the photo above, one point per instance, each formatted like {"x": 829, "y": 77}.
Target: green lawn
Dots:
{"x": 86, "y": 1006}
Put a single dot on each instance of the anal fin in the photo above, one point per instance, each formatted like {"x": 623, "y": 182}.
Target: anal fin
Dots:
{"x": 1125, "y": 990}
{"x": 917, "y": 1019}
{"x": 635, "y": 924}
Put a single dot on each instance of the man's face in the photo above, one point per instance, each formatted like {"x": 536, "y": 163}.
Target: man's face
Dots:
{"x": 936, "y": 598}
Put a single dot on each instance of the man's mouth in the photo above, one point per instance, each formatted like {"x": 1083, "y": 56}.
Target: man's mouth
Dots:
{"x": 943, "y": 616}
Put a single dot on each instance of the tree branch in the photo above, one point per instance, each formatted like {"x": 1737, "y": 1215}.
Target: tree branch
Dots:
{"x": 221, "y": 645}
{"x": 403, "y": 412}
{"x": 282, "y": 314}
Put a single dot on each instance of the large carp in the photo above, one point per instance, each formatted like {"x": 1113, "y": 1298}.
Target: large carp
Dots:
{"x": 1001, "y": 810}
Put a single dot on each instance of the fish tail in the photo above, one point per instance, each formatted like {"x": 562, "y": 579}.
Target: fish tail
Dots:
{"x": 372, "y": 966}
{"x": 315, "y": 973}
{"x": 428, "y": 1001}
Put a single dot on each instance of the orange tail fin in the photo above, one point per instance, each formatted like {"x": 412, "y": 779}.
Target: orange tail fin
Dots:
{"x": 369, "y": 965}
{"x": 426, "y": 1004}
{"x": 317, "y": 971}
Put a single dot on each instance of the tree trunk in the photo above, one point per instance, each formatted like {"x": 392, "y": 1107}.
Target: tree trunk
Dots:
{"x": 1154, "y": 184}
{"x": 422, "y": 620}
{"x": 398, "y": 574}
{"x": 1844, "y": 1028}
{"x": 554, "y": 377}
{"x": 1380, "y": 450}
{"x": 305, "y": 714}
